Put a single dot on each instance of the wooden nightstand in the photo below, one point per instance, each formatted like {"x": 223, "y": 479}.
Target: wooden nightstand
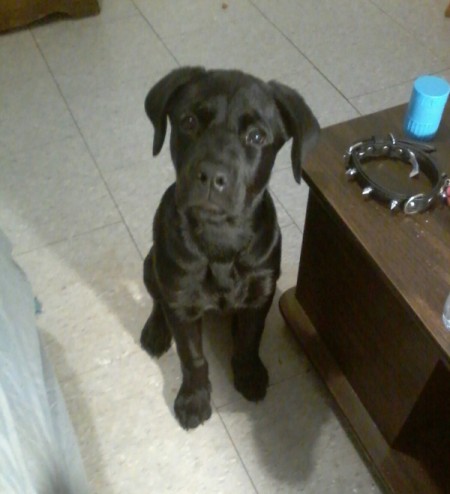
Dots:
{"x": 367, "y": 310}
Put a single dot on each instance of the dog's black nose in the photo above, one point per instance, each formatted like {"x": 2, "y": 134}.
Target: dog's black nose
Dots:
{"x": 211, "y": 176}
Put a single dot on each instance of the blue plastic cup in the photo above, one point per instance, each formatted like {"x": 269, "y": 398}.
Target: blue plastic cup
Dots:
{"x": 426, "y": 106}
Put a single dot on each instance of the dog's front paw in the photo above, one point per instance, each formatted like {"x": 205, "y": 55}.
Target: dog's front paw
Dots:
{"x": 156, "y": 337}
{"x": 250, "y": 378}
{"x": 193, "y": 407}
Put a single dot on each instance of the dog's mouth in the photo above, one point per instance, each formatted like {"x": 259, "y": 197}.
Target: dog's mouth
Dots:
{"x": 208, "y": 212}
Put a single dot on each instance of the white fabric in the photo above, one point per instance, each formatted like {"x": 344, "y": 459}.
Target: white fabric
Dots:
{"x": 38, "y": 449}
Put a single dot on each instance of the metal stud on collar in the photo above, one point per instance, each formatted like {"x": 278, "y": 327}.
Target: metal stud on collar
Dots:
{"x": 367, "y": 191}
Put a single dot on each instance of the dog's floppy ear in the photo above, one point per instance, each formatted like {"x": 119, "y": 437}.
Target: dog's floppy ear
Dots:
{"x": 300, "y": 124}
{"x": 157, "y": 100}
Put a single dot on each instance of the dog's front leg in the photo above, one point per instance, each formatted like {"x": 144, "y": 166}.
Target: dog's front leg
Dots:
{"x": 192, "y": 405}
{"x": 250, "y": 375}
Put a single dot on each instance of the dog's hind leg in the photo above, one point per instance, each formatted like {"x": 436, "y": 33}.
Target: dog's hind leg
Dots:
{"x": 156, "y": 337}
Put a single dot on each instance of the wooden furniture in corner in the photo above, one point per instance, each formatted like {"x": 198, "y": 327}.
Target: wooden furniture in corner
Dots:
{"x": 367, "y": 310}
{"x": 19, "y": 13}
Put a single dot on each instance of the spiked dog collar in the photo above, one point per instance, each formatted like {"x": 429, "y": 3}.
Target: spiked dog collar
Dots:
{"x": 415, "y": 153}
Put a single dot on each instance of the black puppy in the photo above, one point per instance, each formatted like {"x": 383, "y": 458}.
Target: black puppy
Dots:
{"x": 216, "y": 240}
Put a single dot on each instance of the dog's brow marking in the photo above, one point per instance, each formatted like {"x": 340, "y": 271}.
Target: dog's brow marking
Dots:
{"x": 250, "y": 117}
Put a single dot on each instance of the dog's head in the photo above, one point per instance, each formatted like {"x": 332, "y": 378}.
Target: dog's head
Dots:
{"x": 227, "y": 128}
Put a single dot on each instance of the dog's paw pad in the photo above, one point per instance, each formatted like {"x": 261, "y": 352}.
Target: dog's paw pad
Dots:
{"x": 156, "y": 337}
{"x": 193, "y": 408}
{"x": 250, "y": 379}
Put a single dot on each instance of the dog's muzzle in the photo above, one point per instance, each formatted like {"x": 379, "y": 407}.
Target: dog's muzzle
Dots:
{"x": 210, "y": 190}
{"x": 214, "y": 179}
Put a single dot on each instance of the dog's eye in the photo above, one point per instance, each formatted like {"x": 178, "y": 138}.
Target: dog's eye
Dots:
{"x": 256, "y": 137}
{"x": 188, "y": 123}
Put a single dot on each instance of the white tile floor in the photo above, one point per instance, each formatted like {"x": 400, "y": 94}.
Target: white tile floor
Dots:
{"x": 78, "y": 189}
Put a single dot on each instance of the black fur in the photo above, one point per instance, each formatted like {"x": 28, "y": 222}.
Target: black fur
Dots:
{"x": 216, "y": 240}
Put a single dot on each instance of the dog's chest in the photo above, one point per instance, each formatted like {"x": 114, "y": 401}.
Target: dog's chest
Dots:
{"x": 221, "y": 278}
{"x": 226, "y": 286}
